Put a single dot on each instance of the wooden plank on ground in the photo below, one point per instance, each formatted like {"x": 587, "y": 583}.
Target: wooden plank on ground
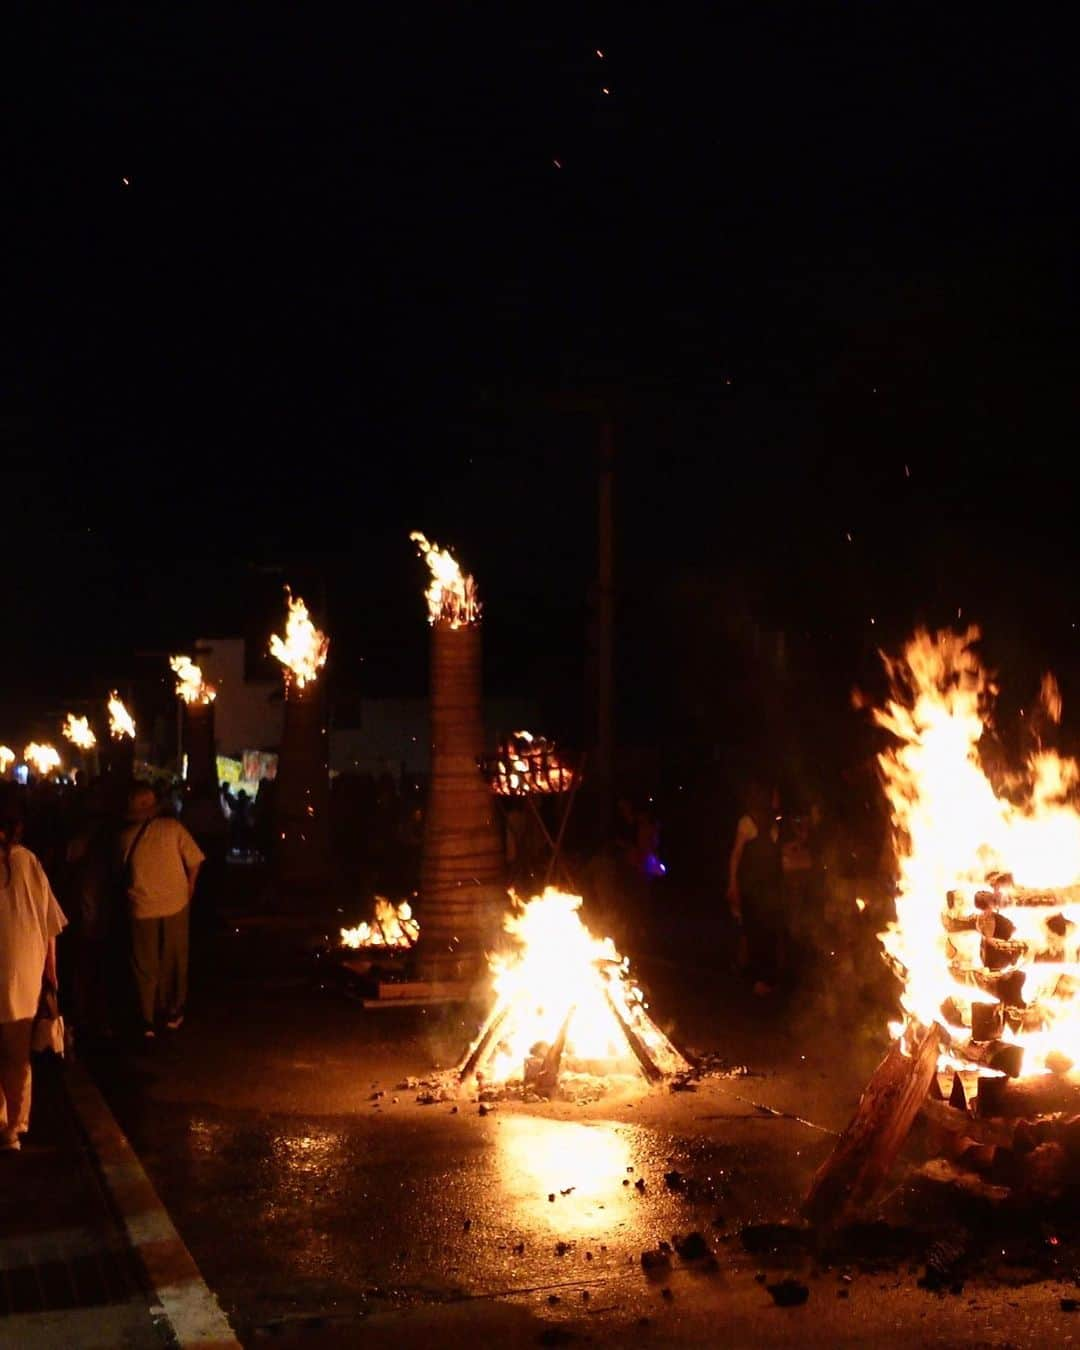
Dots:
{"x": 850, "y": 1177}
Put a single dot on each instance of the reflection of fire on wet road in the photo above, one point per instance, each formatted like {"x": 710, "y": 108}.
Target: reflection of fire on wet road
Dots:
{"x": 582, "y": 1166}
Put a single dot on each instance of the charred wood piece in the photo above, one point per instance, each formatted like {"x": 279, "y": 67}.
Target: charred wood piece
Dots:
{"x": 1028, "y": 1097}
{"x": 1006, "y": 986}
{"x": 849, "y": 1178}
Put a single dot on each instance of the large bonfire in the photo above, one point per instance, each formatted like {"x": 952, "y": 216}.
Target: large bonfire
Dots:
{"x": 565, "y": 1005}
{"x": 986, "y": 938}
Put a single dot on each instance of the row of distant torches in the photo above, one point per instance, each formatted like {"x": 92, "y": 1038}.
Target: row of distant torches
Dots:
{"x": 451, "y": 597}
{"x": 44, "y": 758}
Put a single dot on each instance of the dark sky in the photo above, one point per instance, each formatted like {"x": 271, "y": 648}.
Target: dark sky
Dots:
{"x": 368, "y": 267}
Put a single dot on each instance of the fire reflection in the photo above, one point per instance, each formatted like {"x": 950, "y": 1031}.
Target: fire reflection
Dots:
{"x": 582, "y": 1165}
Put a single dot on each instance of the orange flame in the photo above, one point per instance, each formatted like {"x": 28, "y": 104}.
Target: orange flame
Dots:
{"x": 190, "y": 685}
{"x": 77, "y": 731}
{"x": 561, "y": 981}
{"x": 391, "y": 927}
{"x": 43, "y": 759}
{"x": 7, "y": 758}
{"x": 304, "y": 649}
{"x": 121, "y": 723}
{"x": 451, "y": 597}
{"x": 984, "y": 877}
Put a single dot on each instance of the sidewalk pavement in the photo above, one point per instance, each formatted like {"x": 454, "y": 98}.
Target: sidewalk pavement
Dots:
{"x": 88, "y": 1256}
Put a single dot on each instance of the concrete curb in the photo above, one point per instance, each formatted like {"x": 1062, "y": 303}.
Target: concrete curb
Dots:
{"x": 193, "y": 1313}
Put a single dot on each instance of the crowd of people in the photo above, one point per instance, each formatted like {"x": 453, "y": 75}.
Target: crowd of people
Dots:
{"x": 112, "y": 874}
{"x": 115, "y": 867}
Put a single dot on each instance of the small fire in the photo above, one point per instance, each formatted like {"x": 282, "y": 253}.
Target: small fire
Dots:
{"x": 986, "y": 927}
{"x": 564, "y": 1001}
{"x": 529, "y": 763}
{"x": 451, "y": 597}
{"x": 190, "y": 685}
{"x": 393, "y": 926}
{"x": 304, "y": 650}
{"x": 7, "y": 758}
{"x": 77, "y": 730}
{"x": 120, "y": 720}
{"x": 43, "y": 759}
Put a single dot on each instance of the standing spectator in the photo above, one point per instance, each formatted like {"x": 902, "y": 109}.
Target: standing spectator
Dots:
{"x": 755, "y": 887}
{"x": 30, "y": 920}
{"x": 161, "y": 863}
{"x": 93, "y": 946}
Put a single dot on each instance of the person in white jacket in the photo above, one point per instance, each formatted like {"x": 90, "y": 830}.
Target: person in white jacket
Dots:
{"x": 30, "y": 920}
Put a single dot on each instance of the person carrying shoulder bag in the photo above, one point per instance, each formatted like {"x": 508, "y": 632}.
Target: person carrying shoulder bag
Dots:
{"x": 161, "y": 863}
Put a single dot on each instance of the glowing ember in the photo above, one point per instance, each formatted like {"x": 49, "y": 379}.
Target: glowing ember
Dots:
{"x": 190, "y": 685}
{"x": 120, "y": 720}
{"x": 987, "y": 918}
{"x": 304, "y": 649}
{"x": 7, "y": 758}
{"x": 77, "y": 730}
{"x": 43, "y": 759}
{"x": 391, "y": 927}
{"x": 564, "y": 1002}
{"x": 451, "y": 597}
{"x": 528, "y": 763}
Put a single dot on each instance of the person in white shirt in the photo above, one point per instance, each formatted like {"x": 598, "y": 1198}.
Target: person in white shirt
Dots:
{"x": 30, "y": 920}
{"x": 161, "y": 863}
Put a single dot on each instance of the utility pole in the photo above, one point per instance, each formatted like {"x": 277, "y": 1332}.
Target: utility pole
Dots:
{"x": 602, "y": 758}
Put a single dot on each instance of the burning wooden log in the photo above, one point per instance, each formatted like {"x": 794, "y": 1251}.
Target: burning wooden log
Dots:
{"x": 850, "y": 1177}
{"x": 302, "y": 852}
{"x": 197, "y": 700}
{"x": 547, "y": 1080}
{"x": 462, "y": 861}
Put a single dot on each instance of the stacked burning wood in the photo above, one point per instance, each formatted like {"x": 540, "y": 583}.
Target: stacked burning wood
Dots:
{"x": 527, "y": 764}
{"x": 989, "y": 1043}
{"x": 1017, "y": 951}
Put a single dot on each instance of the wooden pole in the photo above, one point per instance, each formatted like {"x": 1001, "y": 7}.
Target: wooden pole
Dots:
{"x": 602, "y": 750}
{"x": 302, "y": 846}
{"x": 462, "y": 863}
{"x": 200, "y": 745}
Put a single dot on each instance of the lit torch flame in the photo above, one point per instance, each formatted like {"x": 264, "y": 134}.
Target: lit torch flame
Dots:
{"x": 43, "y": 759}
{"x": 961, "y": 918}
{"x": 120, "y": 720}
{"x": 451, "y": 597}
{"x": 7, "y": 758}
{"x": 77, "y": 731}
{"x": 190, "y": 685}
{"x": 392, "y": 927}
{"x": 304, "y": 649}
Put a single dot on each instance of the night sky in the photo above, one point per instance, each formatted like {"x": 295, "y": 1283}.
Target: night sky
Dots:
{"x": 282, "y": 284}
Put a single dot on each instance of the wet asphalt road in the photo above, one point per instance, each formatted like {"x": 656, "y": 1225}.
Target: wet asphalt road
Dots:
{"x": 322, "y": 1214}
